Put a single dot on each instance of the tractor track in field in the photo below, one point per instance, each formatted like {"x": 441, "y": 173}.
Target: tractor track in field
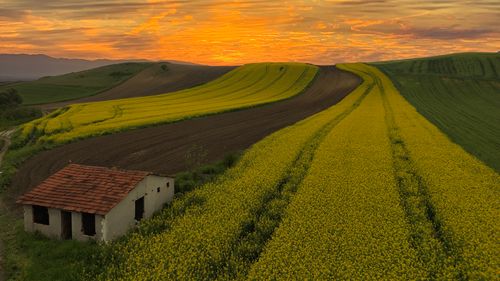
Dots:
{"x": 162, "y": 149}
{"x": 273, "y": 206}
{"x": 427, "y": 236}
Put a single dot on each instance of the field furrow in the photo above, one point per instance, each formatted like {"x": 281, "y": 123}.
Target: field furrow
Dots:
{"x": 426, "y": 235}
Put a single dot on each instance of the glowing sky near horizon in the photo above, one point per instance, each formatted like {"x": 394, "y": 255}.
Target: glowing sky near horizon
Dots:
{"x": 220, "y": 32}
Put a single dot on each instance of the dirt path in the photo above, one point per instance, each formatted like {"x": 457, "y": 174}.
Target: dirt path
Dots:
{"x": 5, "y": 136}
{"x": 163, "y": 149}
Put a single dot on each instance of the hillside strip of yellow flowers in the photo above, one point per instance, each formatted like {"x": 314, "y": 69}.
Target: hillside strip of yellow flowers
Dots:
{"x": 246, "y": 86}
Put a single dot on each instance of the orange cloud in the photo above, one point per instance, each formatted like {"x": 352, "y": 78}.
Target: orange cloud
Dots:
{"x": 235, "y": 32}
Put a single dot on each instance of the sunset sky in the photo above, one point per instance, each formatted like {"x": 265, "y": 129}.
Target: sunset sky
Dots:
{"x": 220, "y": 32}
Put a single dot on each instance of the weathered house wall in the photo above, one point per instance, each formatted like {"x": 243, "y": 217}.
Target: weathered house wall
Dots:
{"x": 52, "y": 230}
{"x": 122, "y": 217}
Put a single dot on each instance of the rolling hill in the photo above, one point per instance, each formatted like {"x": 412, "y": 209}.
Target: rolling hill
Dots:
{"x": 75, "y": 85}
{"x": 460, "y": 94}
{"x": 25, "y": 67}
{"x": 347, "y": 197}
{"x": 19, "y": 67}
{"x": 158, "y": 78}
{"x": 146, "y": 149}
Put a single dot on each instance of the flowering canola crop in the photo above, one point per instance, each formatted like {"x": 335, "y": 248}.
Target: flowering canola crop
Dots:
{"x": 345, "y": 221}
{"x": 429, "y": 213}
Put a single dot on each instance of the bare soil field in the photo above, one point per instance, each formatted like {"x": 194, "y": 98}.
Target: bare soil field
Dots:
{"x": 158, "y": 79}
{"x": 163, "y": 149}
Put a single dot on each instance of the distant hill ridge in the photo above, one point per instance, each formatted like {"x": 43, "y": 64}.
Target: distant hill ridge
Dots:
{"x": 18, "y": 67}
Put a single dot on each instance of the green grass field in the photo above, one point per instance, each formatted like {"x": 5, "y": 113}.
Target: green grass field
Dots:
{"x": 460, "y": 94}
{"x": 246, "y": 86}
{"x": 75, "y": 85}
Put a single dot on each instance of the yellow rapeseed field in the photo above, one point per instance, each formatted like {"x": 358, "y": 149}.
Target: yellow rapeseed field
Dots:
{"x": 345, "y": 222}
{"x": 464, "y": 192}
{"x": 348, "y": 221}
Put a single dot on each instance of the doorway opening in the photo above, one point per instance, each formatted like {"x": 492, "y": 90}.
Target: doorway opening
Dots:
{"x": 66, "y": 232}
{"x": 139, "y": 209}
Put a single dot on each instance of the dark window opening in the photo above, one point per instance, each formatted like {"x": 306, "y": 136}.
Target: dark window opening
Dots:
{"x": 40, "y": 215}
{"x": 139, "y": 209}
{"x": 88, "y": 224}
{"x": 168, "y": 184}
{"x": 158, "y": 189}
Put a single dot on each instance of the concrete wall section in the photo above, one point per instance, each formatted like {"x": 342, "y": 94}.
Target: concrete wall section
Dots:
{"x": 122, "y": 217}
{"x": 53, "y": 229}
{"x": 160, "y": 190}
{"x": 156, "y": 190}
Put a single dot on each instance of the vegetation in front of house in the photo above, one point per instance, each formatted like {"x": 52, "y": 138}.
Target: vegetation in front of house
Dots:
{"x": 76, "y": 84}
{"x": 460, "y": 94}
{"x": 246, "y": 86}
{"x": 31, "y": 256}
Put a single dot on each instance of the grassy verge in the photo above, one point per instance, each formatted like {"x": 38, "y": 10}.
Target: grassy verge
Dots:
{"x": 189, "y": 180}
{"x": 31, "y": 256}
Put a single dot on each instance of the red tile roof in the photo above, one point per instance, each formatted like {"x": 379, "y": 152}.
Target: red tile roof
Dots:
{"x": 80, "y": 188}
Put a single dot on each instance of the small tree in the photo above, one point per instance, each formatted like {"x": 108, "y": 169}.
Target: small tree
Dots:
{"x": 9, "y": 98}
